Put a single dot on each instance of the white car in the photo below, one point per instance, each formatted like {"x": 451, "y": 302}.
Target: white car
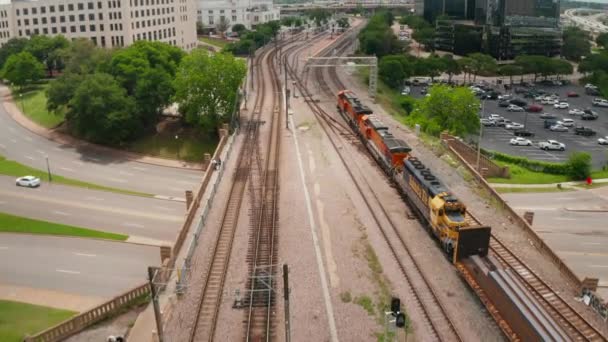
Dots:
{"x": 539, "y": 98}
{"x": 520, "y": 141}
{"x": 599, "y": 102}
{"x": 566, "y": 122}
{"x": 552, "y": 145}
{"x": 514, "y": 125}
{"x": 487, "y": 122}
{"x": 558, "y": 128}
{"x": 576, "y": 112}
{"x": 561, "y": 105}
{"x": 28, "y": 181}
{"x": 505, "y": 97}
{"x": 494, "y": 117}
{"x": 514, "y": 108}
{"x": 405, "y": 91}
{"x": 603, "y": 141}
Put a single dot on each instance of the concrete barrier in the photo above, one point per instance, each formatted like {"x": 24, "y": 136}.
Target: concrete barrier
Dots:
{"x": 77, "y": 323}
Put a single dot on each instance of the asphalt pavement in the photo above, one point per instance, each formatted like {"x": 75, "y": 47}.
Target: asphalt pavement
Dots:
{"x": 136, "y": 216}
{"x": 26, "y": 147}
{"x": 574, "y": 225}
{"x": 79, "y": 266}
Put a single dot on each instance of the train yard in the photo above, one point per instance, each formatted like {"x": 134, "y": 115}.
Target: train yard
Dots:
{"x": 443, "y": 296}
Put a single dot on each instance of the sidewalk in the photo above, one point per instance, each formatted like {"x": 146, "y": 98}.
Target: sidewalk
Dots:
{"x": 60, "y": 138}
{"x": 548, "y": 185}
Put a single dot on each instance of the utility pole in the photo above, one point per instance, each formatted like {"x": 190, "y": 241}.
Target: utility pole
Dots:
{"x": 48, "y": 169}
{"x": 480, "y": 134}
{"x": 286, "y": 297}
{"x": 286, "y": 97}
{"x": 159, "y": 321}
{"x": 251, "y": 58}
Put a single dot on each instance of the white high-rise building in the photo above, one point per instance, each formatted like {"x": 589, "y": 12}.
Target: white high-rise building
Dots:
{"x": 247, "y": 12}
{"x": 107, "y": 23}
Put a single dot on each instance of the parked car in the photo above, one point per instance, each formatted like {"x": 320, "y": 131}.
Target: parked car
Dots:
{"x": 584, "y": 131}
{"x": 599, "y": 102}
{"x": 590, "y": 89}
{"x": 589, "y": 116}
{"x": 575, "y": 112}
{"x": 423, "y": 90}
{"x": 572, "y": 94}
{"x": 534, "y": 108}
{"x": 488, "y": 122}
{"x": 490, "y": 95}
{"x": 548, "y": 101}
{"x": 502, "y": 122}
{"x": 547, "y": 116}
{"x": 406, "y": 90}
{"x": 519, "y": 141}
{"x": 603, "y": 141}
{"x": 523, "y": 133}
{"x": 505, "y": 97}
{"x": 514, "y": 108}
{"x": 28, "y": 181}
{"x": 494, "y": 117}
{"x": 561, "y": 105}
{"x": 558, "y": 128}
{"x": 566, "y": 122}
{"x": 552, "y": 145}
{"x": 518, "y": 102}
{"x": 514, "y": 125}
{"x": 503, "y": 103}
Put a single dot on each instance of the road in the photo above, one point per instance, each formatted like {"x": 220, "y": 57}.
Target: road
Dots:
{"x": 78, "y": 266}
{"x": 578, "y": 237}
{"x": 26, "y": 147}
{"x": 135, "y": 216}
{"x": 589, "y": 23}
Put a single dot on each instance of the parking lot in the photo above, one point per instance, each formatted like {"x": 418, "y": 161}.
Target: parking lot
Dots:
{"x": 497, "y": 138}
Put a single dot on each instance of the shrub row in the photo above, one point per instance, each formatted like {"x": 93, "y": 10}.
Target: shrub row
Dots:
{"x": 538, "y": 166}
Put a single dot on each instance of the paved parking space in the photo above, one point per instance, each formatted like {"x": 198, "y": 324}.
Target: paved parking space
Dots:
{"x": 497, "y": 138}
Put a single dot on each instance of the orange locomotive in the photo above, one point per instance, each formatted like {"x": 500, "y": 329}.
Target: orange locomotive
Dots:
{"x": 386, "y": 149}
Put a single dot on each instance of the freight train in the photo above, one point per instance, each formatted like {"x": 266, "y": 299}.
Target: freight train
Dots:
{"x": 445, "y": 215}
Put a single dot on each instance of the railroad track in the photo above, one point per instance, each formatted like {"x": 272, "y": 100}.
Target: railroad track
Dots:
{"x": 576, "y": 326}
{"x": 434, "y": 314}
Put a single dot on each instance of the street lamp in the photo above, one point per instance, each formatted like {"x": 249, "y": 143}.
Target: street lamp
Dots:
{"x": 177, "y": 139}
{"x": 22, "y": 103}
{"x": 48, "y": 168}
{"x": 480, "y": 133}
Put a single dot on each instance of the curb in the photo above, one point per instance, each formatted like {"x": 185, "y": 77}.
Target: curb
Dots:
{"x": 63, "y": 139}
{"x": 588, "y": 210}
{"x": 84, "y": 238}
{"x": 169, "y": 198}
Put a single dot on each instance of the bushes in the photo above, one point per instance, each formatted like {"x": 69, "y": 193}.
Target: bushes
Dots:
{"x": 578, "y": 166}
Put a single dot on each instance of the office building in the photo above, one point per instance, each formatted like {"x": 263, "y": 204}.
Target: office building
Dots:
{"x": 107, "y": 23}
{"x": 453, "y": 9}
{"x": 247, "y": 12}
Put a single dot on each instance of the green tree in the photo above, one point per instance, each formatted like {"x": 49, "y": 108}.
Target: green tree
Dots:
{"x": 319, "y": 16}
{"x": 446, "y": 108}
{"x": 426, "y": 37}
{"x": 451, "y": 66}
{"x": 287, "y": 21}
{"x": 602, "y": 40}
{"x": 153, "y": 92}
{"x": 510, "y": 70}
{"x": 414, "y": 21}
{"x": 101, "y": 111}
{"x": 83, "y": 57}
{"x": 433, "y": 66}
{"x": 22, "y": 69}
{"x": 481, "y": 64}
{"x": 533, "y": 64}
{"x": 60, "y": 92}
{"x": 206, "y": 87}
{"x": 576, "y": 43}
{"x": 12, "y": 47}
{"x": 46, "y": 50}
{"x": 466, "y": 65}
{"x": 579, "y": 165}
{"x": 343, "y": 23}
{"x": 222, "y": 26}
{"x": 391, "y": 73}
{"x": 377, "y": 38}
{"x": 239, "y": 28}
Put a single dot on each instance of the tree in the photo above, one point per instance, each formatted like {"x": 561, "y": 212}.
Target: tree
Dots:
{"x": 576, "y": 43}
{"x": 153, "y": 92}
{"x": 533, "y": 64}
{"x": 377, "y": 38}
{"x": 22, "y": 68}
{"x": 343, "y": 23}
{"x": 426, "y": 37}
{"x": 12, "y": 47}
{"x": 391, "y": 73}
{"x": 60, "y": 92}
{"x": 46, "y": 50}
{"x": 446, "y": 108}
{"x": 239, "y": 28}
{"x": 206, "y": 87}
{"x": 510, "y": 70}
{"x": 602, "y": 40}
{"x": 222, "y": 26}
{"x": 101, "y": 111}
{"x": 83, "y": 57}
{"x": 433, "y": 66}
{"x": 451, "y": 66}
{"x": 319, "y": 16}
{"x": 481, "y": 64}
{"x": 466, "y": 65}
{"x": 579, "y": 165}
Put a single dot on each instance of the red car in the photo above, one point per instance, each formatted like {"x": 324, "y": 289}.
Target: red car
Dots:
{"x": 534, "y": 108}
{"x": 572, "y": 94}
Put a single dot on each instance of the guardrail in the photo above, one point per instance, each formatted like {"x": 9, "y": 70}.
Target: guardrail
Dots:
{"x": 77, "y": 323}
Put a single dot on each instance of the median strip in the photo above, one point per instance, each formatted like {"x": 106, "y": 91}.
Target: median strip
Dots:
{"x": 15, "y": 169}
{"x": 17, "y": 224}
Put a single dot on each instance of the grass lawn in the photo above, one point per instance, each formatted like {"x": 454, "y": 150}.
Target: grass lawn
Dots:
{"x": 520, "y": 175}
{"x": 18, "y": 319}
{"x": 12, "y": 168}
{"x": 188, "y": 147}
{"x": 17, "y": 224}
{"x": 220, "y": 43}
{"x": 33, "y": 103}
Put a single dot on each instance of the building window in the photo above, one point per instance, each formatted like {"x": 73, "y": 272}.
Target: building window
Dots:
{"x": 80, "y": 6}
{"x": 54, "y": 30}
{"x": 100, "y": 15}
{"x": 36, "y": 31}
{"x": 103, "y": 41}
{"x": 45, "y": 30}
{"x": 34, "y": 10}
{"x": 91, "y": 17}
{"x": 233, "y": 18}
{"x": 70, "y": 7}
{"x": 137, "y": 24}
{"x": 83, "y": 28}
{"x": 53, "y": 20}
{"x": 94, "y": 40}
{"x": 63, "y": 29}
{"x": 92, "y": 28}
{"x": 90, "y": 5}
{"x": 62, "y": 19}
{"x": 18, "y": 22}
{"x": 81, "y": 17}
{"x": 43, "y": 9}
{"x": 101, "y": 27}
{"x": 44, "y": 20}
{"x": 210, "y": 20}
{"x": 61, "y": 8}
{"x": 25, "y": 13}
{"x": 27, "y": 32}
{"x": 18, "y": 14}
{"x": 35, "y": 21}
{"x": 26, "y": 22}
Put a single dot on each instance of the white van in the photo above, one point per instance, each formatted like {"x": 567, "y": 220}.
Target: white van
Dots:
{"x": 420, "y": 80}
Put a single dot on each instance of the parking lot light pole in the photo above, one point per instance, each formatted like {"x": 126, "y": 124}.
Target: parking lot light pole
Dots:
{"x": 480, "y": 134}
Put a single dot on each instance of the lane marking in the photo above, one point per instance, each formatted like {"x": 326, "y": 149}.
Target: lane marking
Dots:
{"x": 29, "y": 157}
{"x": 566, "y": 219}
{"x": 93, "y": 159}
{"x": 138, "y": 168}
{"x": 85, "y": 254}
{"x": 62, "y": 213}
{"x": 92, "y": 198}
{"x": 126, "y": 173}
{"x": 27, "y": 138}
{"x": 41, "y": 152}
{"x": 591, "y": 243}
{"x": 598, "y": 266}
{"x": 313, "y": 229}
{"x": 67, "y": 169}
{"x": 134, "y": 225}
{"x": 117, "y": 180}
{"x": 79, "y": 163}
{"x": 67, "y": 271}
{"x": 14, "y": 141}
{"x": 3, "y": 247}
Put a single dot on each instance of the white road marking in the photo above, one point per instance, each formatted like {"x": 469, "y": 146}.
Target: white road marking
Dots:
{"x": 62, "y": 213}
{"x": 311, "y": 221}
{"x": 117, "y": 180}
{"x": 67, "y": 271}
{"x": 3, "y": 146}
{"x": 29, "y": 157}
{"x": 126, "y": 173}
{"x": 93, "y": 159}
{"x": 3, "y": 247}
{"x": 12, "y": 129}
{"x": 157, "y": 207}
{"x": 85, "y": 254}
{"x": 78, "y": 162}
{"x": 135, "y": 225}
{"x": 566, "y": 219}
{"x": 41, "y": 151}
{"x": 27, "y": 138}
{"x": 14, "y": 141}
{"x": 139, "y": 168}
{"x": 67, "y": 169}
{"x": 91, "y": 198}
{"x": 598, "y": 266}
{"x": 591, "y": 243}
